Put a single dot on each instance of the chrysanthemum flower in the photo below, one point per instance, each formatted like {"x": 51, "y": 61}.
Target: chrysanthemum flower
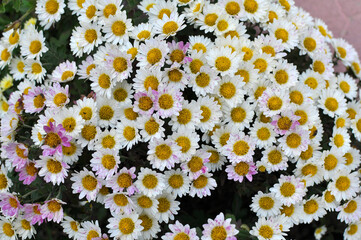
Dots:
{"x": 85, "y": 183}
{"x": 52, "y": 210}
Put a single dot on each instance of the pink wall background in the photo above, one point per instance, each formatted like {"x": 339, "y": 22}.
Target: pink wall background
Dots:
{"x": 343, "y": 17}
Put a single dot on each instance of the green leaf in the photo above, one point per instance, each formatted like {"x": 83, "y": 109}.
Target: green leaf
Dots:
{"x": 17, "y": 5}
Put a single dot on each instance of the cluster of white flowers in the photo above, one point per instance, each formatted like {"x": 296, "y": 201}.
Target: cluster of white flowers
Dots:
{"x": 259, "y": 77}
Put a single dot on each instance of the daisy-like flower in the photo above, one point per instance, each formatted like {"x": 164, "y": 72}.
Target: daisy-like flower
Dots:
{"x": 169, "y": 25}
{"x": 345, "y": 51}
{"x": 267, "y": 228}
{"x": 32, "y": 212}
{"x": 187, "y": 118}
{"x": 273, "y": 101}
{"x": 285, "y": 31}
{"x": 238, "y": 116}
{"x": 332, "y": 102}
{"x": 224, "y": 24}
{"x": 167, "y": 207}
{"x": 34, "y": 101}
{"x": 239, "y": 147}
{"x": 150, "y": 226}
{"x": 289, "y": 190}
{"x": 150, "y": 182}
{"x": 151, "y": 128}
{"x": 108, "y": 112}
{"x": 285, "y": 121}
{"x": 6, "y": 55}
{"x": 295, "y": 142}
{"x": 223, "y": 60}
{"x": 65, "y": 72}
{"x": 28, "y": 173}
{"x": 55, "y": 138}
{"x": 107, "y": 9}
{"x": 72, "y": 123}
{"x": 311, "y": 42}
{"x": 152, "y": 53}
{"x": 32, "y": 43}
{"x": 89, "y": 230}
{"x": 5, "y": 182}
{"x": 116, "y": 28}
{"x": 145, "y": 204}
{"x": 161, "y": 8}
{"x": 147, "y": 78}
{"x": 145, "y": 102}
{"x": 219, "y": 227}
{"x": 122, "y": 92}
{"x": 119, "y": 203}
{"x": 84, "y": 38}
{"x": 264, "y": 134}
{"x": 71, "y": 227}
{"x": 108, "y": 139}
{"x": 17, "y": 68}
{"x": 230, "y": 90}
{"x": 52, "y": 169}
{"x": 253, "y": 10}
{"x": 163, "y": 153}
{"x": 52, "y": 210}
{"x": 210, "y": 115}
{"x": 125, "y": 226}
{"x": 17, "y": 153}
{"x": 142, "y": 32}
{"x": 352, "y": 158}
{"x": 195, "y": 165}
{"x": 178, "y": 182}
{"x": 350, "y": 212}
{"x": 7, "y": 230}
{"x": 85, "y": 183}
{"x": 179, "y": 230}
{"x": 119, "y": 62}
{"x": 34, "y": 70}
{"x": 9, "y": 204}
{"x": 204, "y": 81}
{"x": 102, "y": 81}
{"x": 57, "y": 96}
{"x": 285, "y": 74}
{"x": 11, "y": 38}
{"x": 88, "y": 135}
{"x": 239, "y": 171}
{"x": 202, "y": 185}
{"x": 340, "y": 140}
{"x": 216, "y": 160}
{"x": 123, "y": 180}
{"x": 168, "y": 102}
{"x": 265, "y": 205}
{"x": 24, "y": 228}
{"x": 86, "y": 67}
{"x": 352, "y": 231}
{"x": 49, "y": 11}
{"x": 347, "y": 85}
{"x": 128, "y": 133}
{"x": 344, "y": 185}
{"x": 88, "y": 12}
{"x": 177, "y": 53}
{"x": 87, "y": 109}
{"x": 311, "y": 209}
{"x": 320, "y": 232}
{"x": 310, "y": 171}
{"x": 104, "y": 163}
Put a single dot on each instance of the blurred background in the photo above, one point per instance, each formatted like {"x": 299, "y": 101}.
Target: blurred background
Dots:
{"x": 343, "y": 17}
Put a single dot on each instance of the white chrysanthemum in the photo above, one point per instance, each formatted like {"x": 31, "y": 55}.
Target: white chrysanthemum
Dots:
{"x": 85, "y": 38}
{"x": 118, "y": 203}
{"x": 64, "y": 72}
{"x": 352, "y": 232}
{"x": 310, "y": 171}
{"x": 239, "y": 148}
{"x": 187, "y": 118}
{"x": 332, "y": 102}
{"x": 253, "y": 10}
{"x": 311, "y": 209}
{"x": 11, "y": 38}
{"x": 108, "y": 112}
{"x": 117, "y": 28}
{"x": 353, "y": 158}
{"x": 289, "y": 190}
{"x": 204, "y": 81}
{"x": 230, "y": 90}
{"x": 216, "y": 160}
{"x": 88, "y": 135}
{"x": 70, "y": 120}
{"x": 188, "y": 143}
{"x": 150, "y": 182}
{"x": 49, "y": 11}
{"x": 150, "y": 226}
{"x": 273, "y": 160}
{"x": 151, "y": 128}
{"x": 128, "y": 133}
{"x": 286, "y": 31}
{"x": 52, "y": 169}
{"x": 340, "y": 140}
{"x": 71, "y": 227}
{"x": 347, "y": 85}
{"x": 223, "y": 60}
{"x": 107, "y": 139}
{"x": 89, "y": 229}
{"x": 5, "y": 181}
{"x": 350, "y": 212}
{"x": 34, "y": 70}
{"x": 142, "y": 32}
{"x": 311, "y": 42}
{"x": 5, "y": 56}
{"x": 240, "y": 115}
{"x": 345, "y": 51}
{"x": 146, "y": 78}
{"x": 294, "y": 142}
{"x": 225, "y": 23}
{"x": 85, "y": 183}
{"x": 177, "y": 181}
{"x": 267, "y": 228}
{"x": 265, "y": 205}
{"x": 202, "y": 185}
{"x": 88, "y": 12}
{"x": 200, "y": 43}
{"x": 273, "y": 101}
{"x": 72, "y": 153}
{"x": 284, "y": 74}
{"x": 7, "y": 231}
{"x": 211, "y": 113}
{"x": 125, "y": 226}
{"x": 344, "y": 185}
{"x": 163, "y": 153}
{"x": 167, "y": 207}
{"x": 169, "y": 25}
{"x": 300, "y": 95}
{"x": 264, "y": 134}
{"x": 17, "y": 68}
{"x": 107, "y": 9}
{"x": 102, "y": 81}
{"x": 32, "y": 43}
{"x": 105, "y": 163}
{"x": 160, "y": 9}
{"x": 152, "y": 53}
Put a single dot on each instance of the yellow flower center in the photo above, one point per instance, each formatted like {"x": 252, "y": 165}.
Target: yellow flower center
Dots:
{"x": 164, "y": 11}
{"x": 36, "y": 68}
{"x": 151, "y": 82}
{"x": 124, "y": 180}
{"x": 222, "y": 25}
{"x": 126, "y": 226}
{"x": 345, "y": 87}
{"x": 202, "y": 80}
{"x": 163, "y": 151}
{"x": 142, "y": 35}
{"x": 181, "y": 236}
{"x": 89, "y": 68}
{"x": 8, "y": 230}
{"x": 109, "y": 9}
{"x": 261, "y": 65}
{"x": 349, "y": 158}
{"x": 89, "y": 182}
{"x": 69, "y": 151}
{"x": 20, "y": 66}
{"x": 151, "y": 127}
{"x": 309, "y": 43}
{"x": 342, "y": 52}
{"x": 195, "y": 65}
{"x": 224, "y": 138}
{"x": 163, "y": 205}
{"x": 175, "y": 75}
{"x": 35, "y": 46}
{"x": 108, "y": 161}
{"x": 248, "y": 53}
{"x": 331, "y": 104}
{"x": 241, "y": 168}
{"x": 293, "y": 140}
{"x": 281, "y": 77}
{"x": 88, "y": 132}
{"x": 185, "y": 116}
{"x": 244, "y": 74}
{"x": 25, "y": 224}
{"x": 200, "y": 182}
{"x": 343, "y": 183}
{"x": 92, "y": 234}
{"x": 223, "y": 63}
{"x": 195, "y": 164}
{"x": 319, "y": 67}
{"x": 52, "y": 139}
{"x": 176, "y": 181}
{"x": 309, "y": 169}
{"x": 129, "y": 133}
{"x": 147, "y": 222}
{"x": 287, "y": 189}
{"x": 311, "y": 82}
{"x": 266, "y": 231}
{"x": 351, "y": 207}
{"x": 218, "y": 233}
{"x": 266, "y": 203}
{"x": 54, "y": 206}
{"x": 263, "y": 133}
{"x": 69, "y": 124}
{"x": 310, "y": 207}
{"x": 90, "y": 35}
{"x": 285, "y": 4}
{"x": 120, "y": 64}
{"x": 154, "y": 55}
{"x": 214, "y": 158}
{"x": 165, "y": 101}
{"x": 120, "y": 199}
{"x": 288, "y": 210}
{"x": 90, "y": 11}
{"x": 274, "y": 157}
{"x": 274, "y": 103}
{"x": 108, "y": 142}
{"x": 104, "y": 81}
{"x": 119, "y": 28}
{"x": 352, "y": 229}
{"x": 67, "y": 75}
{"x": 282, "y": 34}
{"x": 206, "y": 113}
{"x": 210, "y": 19}
{"x": 170, "y": 27}
{"x": 227, "y": 90}
{"x": 272, "y": 16}
{"x": 106, "y": 112}
{"x": 150, "y": 181}
{"x": 14, "y": 38}
{"x": 250, "y": 6}
{"x": 130, "y": 114}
